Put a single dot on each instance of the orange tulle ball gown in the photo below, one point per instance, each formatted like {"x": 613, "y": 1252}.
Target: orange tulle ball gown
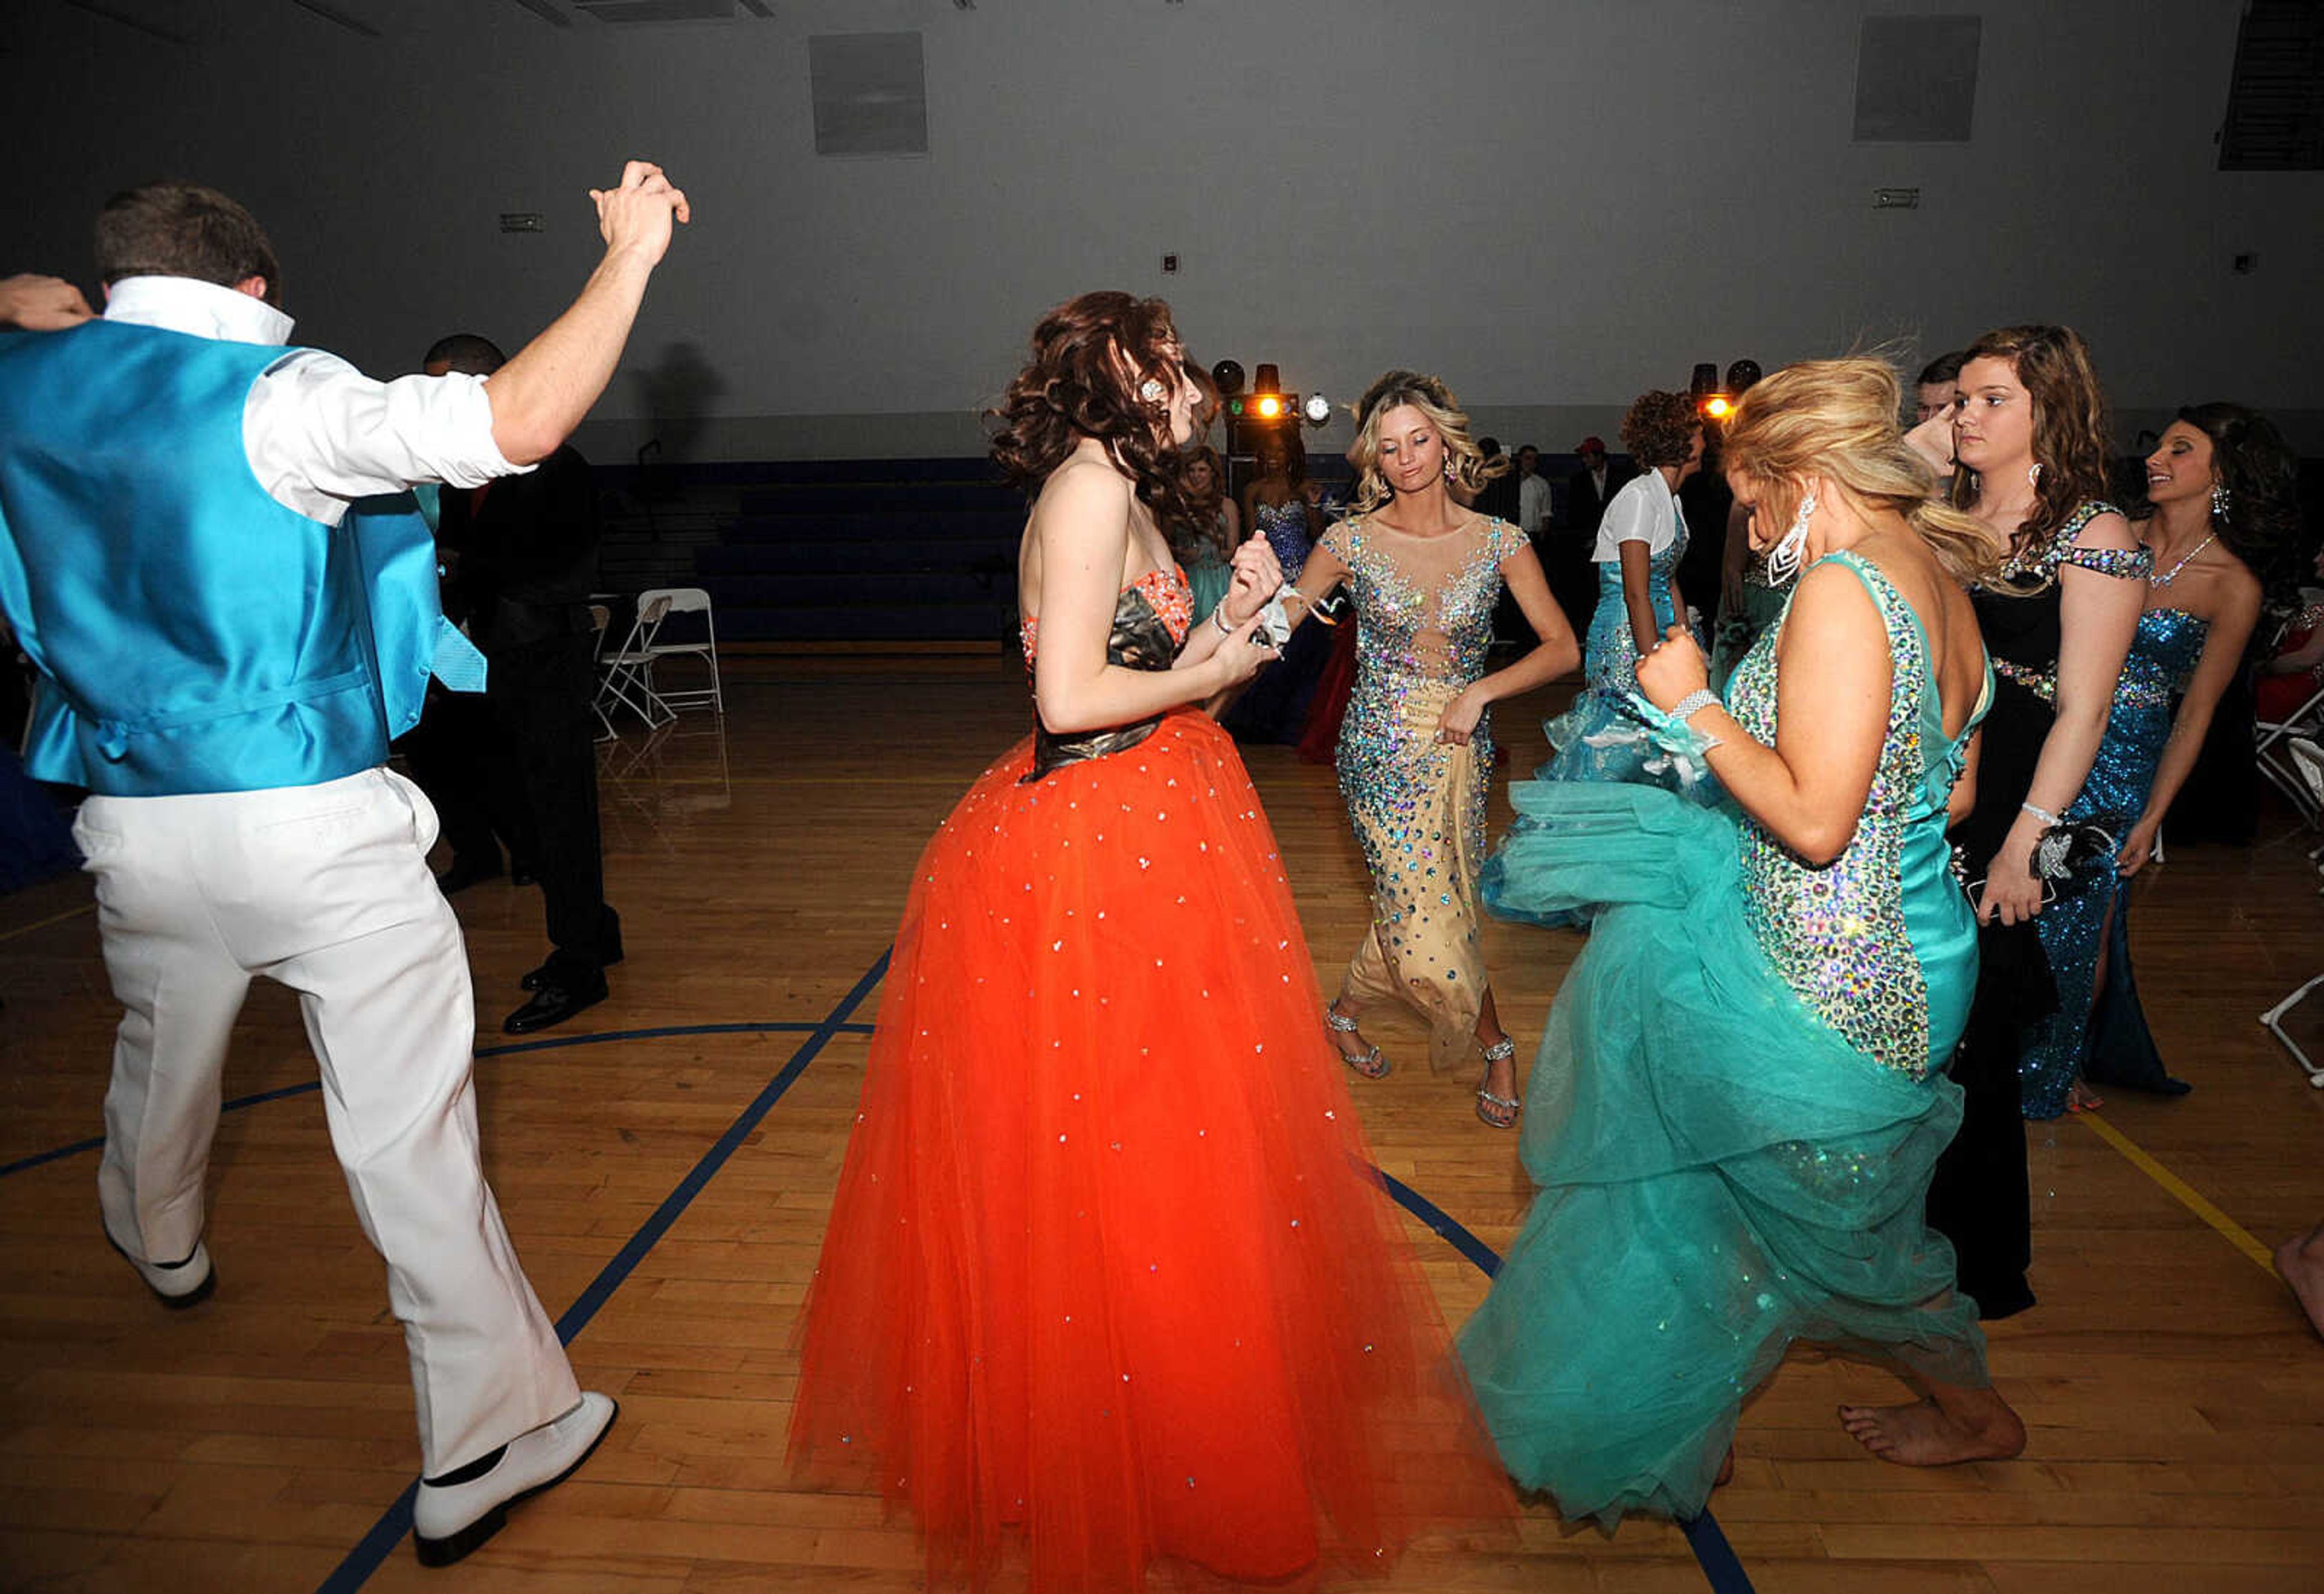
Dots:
{"x": 1109, "y": 1283}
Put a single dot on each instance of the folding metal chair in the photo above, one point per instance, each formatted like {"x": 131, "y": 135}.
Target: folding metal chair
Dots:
{"x": 2272, "y": 747}
{"x": 2307, "y": 760}
{"x": 687, "y": 600}
{"x": 601, "y": 620}
{"x": 625, "y": 675}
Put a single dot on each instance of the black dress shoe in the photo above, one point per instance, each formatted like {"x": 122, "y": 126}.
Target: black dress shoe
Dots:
{"x": 522, "y": 874}
{"x": 465, "y": 872}
{"x": 534, "y": 978}
{"x": 560, "y": 995}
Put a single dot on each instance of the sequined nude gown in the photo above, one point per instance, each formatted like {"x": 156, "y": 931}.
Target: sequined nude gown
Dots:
{"x": 2163, "y": 653}
{"x": 1735, "y": 1110}
{"x": 1425, "y": 617}
{"x": 1109, "y": 1281}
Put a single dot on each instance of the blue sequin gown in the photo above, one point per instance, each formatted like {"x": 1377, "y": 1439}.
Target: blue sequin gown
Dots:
{"x": 1594, "y": 737}
{"x": 1274, "y": 707}
{"x": 1735, "y": 1111}
{"x": 2163, "y": 654}
{"x": 1424, "y": 624}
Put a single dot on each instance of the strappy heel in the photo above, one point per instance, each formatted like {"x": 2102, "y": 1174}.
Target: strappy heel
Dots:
{"x": 1368, "y": 1063}
{"x": 1498, "y": 1112}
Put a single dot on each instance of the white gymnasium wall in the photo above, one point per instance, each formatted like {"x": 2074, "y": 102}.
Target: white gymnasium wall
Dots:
{"x": 1552, "y": 203}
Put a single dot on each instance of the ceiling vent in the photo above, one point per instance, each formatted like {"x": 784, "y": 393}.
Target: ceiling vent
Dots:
{"x": 870, "y": 94}
{"x": 1916, "y": 79}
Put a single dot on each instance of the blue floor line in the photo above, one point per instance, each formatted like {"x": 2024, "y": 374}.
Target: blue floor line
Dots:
{"x": 259, "y": 1098}
{"x": 1712, "y": 1552}
{"x": 388, "y": 1531}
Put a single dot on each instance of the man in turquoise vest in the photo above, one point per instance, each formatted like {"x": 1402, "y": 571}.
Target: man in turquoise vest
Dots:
{"x": 231, "y": 616}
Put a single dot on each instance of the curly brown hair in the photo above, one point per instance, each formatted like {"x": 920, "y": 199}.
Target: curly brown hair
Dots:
{"x": 1081, "y": 382}
{"x": 2261, "y": 473}
{"x": 1659, "y": 429}
{"x": 2069, "y": 425}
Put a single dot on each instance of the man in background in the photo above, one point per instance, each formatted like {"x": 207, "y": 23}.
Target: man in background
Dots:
{"x": 528, "y": 561}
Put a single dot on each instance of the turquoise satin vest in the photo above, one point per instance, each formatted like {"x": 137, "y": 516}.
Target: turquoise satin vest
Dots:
{"x": 192, "y": 634}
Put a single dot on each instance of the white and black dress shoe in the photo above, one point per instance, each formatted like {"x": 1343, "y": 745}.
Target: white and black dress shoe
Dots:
{"x": 175, "y": 1284}
{"x": 454, "y": 1515}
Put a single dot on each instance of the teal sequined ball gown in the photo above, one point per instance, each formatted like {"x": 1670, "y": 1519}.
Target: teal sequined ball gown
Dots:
{"x": 2163, "y": 653}
{"x": 1735, "y": 1110}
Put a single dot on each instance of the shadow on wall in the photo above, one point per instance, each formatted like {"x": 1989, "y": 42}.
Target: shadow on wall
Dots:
{"x": 678, "y": 390}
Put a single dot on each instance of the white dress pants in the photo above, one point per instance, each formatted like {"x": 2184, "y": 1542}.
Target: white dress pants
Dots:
{"x": 324, "y": 888}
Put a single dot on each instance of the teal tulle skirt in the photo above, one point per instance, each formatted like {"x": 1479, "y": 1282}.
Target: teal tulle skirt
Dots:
{"x": 1719, "y": 1172}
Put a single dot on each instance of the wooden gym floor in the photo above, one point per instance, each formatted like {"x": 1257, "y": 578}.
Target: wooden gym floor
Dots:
{"x": 668, "y": 1190}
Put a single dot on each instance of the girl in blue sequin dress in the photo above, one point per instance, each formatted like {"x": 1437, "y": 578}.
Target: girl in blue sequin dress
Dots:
{"x": 1741, "y": 1093}
{"x": 1276, "y": 504}
{"x": 2202, "y": 603}
{"x": 1640, "y": 541}
{"x": 1416, "y": 750}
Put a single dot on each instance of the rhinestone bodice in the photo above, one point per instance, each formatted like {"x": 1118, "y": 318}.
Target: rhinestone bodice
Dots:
{"x": 1840, "y": 935}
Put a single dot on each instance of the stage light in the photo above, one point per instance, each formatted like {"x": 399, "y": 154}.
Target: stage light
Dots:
{"x": 1718, "y": 406}
{"x": 1705, "y": 381}
{"x": 1227, "y": 376}
{"x": 1269, "y": 406}
{"x": 1317, "y": 409}
{"x": 1268, "y": 380}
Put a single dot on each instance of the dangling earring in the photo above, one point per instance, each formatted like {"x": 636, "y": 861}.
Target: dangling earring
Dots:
{"x": 1151, "y": 391}
{"x": 1449, "y": 474}
{"x": 2033, "y": 474}
{"x": 2219, "y": 498}
{"x": 1784, "y": 558}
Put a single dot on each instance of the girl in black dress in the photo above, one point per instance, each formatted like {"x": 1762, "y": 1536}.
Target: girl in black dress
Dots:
{"x": 2028, "y": 432}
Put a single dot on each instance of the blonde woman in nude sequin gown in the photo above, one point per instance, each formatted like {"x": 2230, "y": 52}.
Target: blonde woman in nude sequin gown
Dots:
{"x": 1416, "y": 748}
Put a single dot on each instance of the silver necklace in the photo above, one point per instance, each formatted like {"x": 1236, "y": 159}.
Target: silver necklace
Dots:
{"x": 2170, "y": 575}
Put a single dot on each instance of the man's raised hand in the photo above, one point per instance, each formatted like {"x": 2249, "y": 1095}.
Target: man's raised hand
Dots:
{"x": 639, "y": 214}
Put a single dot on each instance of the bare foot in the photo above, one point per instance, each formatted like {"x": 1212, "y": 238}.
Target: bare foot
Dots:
{"x": 1926, "y": 1434}
{"x": 2300, "y": 1261}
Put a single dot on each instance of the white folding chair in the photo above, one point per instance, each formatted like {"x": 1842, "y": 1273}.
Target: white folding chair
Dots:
{"x": 687, "y": 600}
{"x": 625, "y": 675}
{"x": 601, "y": 619}
{"x": 2307, "y": 759}
{"x": 2272, "y": 748}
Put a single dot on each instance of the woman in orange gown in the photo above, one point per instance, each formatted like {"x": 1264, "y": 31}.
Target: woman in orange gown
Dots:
{"x": 1110, "y": 1282}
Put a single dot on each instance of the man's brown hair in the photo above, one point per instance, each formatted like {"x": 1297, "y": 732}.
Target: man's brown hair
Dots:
{"x": 182, "y": 229}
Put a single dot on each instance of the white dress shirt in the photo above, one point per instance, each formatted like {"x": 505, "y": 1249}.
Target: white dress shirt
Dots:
{"x": 1532, "y": 506}
{"x": 1645, "y": 511}
{"x": 319, "y": 433}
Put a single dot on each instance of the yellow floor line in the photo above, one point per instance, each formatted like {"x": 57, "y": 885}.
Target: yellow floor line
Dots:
{"x": 51, "y": 919}
{"x": 2184, "y": 1194}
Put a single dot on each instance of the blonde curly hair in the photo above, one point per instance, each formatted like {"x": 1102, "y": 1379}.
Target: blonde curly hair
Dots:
{"x": 1472, "y": 468}
{"x": 1837, "y": 418}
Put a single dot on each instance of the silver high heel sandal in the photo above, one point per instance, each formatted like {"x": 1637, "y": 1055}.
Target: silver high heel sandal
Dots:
{"x": 1370, "y": 1064}
{"x": 1499, "y": 1112}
